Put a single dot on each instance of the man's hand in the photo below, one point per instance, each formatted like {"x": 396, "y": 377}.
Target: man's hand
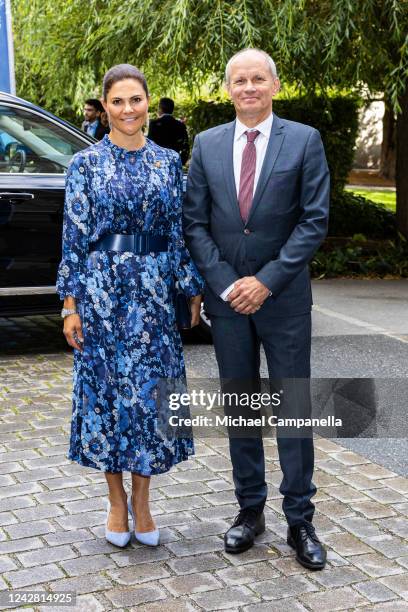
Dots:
{"x": 73, "y": 331}
{"x": 195, "y": 305}
{"x": 248, "y": 295}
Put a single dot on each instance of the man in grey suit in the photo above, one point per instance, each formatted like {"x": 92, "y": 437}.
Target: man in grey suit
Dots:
{"x": 256, "y": 211}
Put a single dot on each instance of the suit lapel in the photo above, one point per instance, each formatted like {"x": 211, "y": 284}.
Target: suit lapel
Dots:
{"x": 274, "y": 146}
{"x": 227, "y": 157}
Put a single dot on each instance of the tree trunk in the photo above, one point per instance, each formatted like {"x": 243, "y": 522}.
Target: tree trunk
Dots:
{"x": 388, "y": 146}
{"x": 402, "y": 165}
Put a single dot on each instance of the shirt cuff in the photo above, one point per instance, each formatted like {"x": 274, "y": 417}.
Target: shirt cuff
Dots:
{"x": 226, "y": 292}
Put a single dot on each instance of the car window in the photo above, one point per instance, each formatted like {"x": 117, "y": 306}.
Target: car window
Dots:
{"x": 32, "y": 144}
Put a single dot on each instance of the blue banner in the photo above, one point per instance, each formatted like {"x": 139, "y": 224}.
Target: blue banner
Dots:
{"x": 7, "y": 82}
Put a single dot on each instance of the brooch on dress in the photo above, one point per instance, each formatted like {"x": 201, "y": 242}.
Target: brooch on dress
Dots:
{"x": 157, "y": 164}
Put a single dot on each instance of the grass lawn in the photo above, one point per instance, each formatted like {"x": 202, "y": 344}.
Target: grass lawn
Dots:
{"x": 385, "y": 198}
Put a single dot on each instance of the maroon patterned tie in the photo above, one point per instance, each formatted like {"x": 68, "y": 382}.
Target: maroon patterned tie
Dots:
{"x": 246, "y": 182}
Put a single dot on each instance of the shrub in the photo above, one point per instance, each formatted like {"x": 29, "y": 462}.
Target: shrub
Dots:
{"x": 336, "y": 118}
{"x": 351, "y": 214}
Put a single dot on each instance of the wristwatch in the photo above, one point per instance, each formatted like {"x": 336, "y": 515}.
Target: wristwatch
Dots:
{"x": 67, "y": 311}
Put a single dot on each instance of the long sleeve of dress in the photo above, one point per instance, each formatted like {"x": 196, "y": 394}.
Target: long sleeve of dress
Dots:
{"x": 186, "y": 273}
{"x": 71, "y": 277}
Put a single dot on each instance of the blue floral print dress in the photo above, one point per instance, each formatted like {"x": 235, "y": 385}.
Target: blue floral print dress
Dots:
{"x": 125, "y": 302}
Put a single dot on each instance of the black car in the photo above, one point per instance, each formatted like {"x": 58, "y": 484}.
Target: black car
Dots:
{"x": 35, "y": 150}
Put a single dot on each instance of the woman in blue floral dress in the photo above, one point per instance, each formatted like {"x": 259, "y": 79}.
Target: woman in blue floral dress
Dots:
{"x": 118, "y": 302}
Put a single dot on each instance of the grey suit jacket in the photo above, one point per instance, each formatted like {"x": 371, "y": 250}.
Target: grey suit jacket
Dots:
{"x": 286, "y": 224}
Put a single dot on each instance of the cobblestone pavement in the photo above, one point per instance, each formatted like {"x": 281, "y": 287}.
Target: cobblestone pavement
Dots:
{"x": 52, "y": 516}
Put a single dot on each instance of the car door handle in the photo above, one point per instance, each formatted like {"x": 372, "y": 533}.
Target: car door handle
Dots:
{"x": 5, "y": 195}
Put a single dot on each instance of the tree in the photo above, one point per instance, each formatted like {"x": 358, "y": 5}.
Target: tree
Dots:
{"x": 64, "y": 47}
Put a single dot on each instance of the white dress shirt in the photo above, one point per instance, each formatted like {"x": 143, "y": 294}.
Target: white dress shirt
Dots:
{"x": 240, "y": 140}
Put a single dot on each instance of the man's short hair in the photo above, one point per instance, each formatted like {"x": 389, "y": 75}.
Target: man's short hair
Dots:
{"x": 271, "y": 63}
{"x": 97, "y": 104}
{"x": 166, "y": 105}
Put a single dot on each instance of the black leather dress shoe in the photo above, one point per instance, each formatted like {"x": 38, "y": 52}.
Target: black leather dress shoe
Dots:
{"x": 309, "y": 550}
{"x": 241, "y": 535}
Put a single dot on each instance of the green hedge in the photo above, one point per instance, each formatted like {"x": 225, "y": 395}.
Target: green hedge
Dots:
{"x": 336, "y": 118}
{"x": 351, "y": 214}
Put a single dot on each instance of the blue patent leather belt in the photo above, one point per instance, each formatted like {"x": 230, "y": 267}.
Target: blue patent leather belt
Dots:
{"x": 140, "y": 244}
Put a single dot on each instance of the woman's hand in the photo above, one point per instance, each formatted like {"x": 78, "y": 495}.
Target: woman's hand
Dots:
{"x": 73, "y": 331}
{"x": 195, "y": 305}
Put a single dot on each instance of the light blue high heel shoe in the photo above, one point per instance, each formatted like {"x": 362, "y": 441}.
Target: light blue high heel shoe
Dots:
{"x": 150, "y": 538}
{"x": 118, "y": 538}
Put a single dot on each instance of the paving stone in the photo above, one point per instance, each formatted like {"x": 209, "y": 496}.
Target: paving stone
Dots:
{"x": 88, "y": 603}
{"x": 403, "y": 561}
{"x": 327, "y": 446}
{"x": 398, "y": 584}
{"x": 10, "y": 467}
{"x": 7, "y": 518}
{"x": 322, "y": 524}
{"x": 335, "y": 560}
{"x": 12, "y": 503}
{"x": 144, "y": 572}
{"x": 219, "y": 485}
{"x": 199, "y": 563}
{"x": 178, "y": 518}
{"x": 225, "y": 598}
{"x": 36, "y": 557}
{"x": 6, "y": 564}
{"x": 336, "y": 599}
{"x": 179, "y": 604}
{"x": 399, "y": 484}
{"x": 374, "y": 471}
{"x": 193, "y": 475}
{"x": 7, "y": 480}
{"x": 347, "y": 494}
{"x": 222, "y": 497}
{"x": 140, "y": 554}
{"x": 87, "y": 565}
{"x": 248, "y": 573}
{"x": 288, "y": 604}
{"x": 94, "y": 546}
{"x": 346, "y": 544}
{"x": 374, "y": 591}
{"x": 360, "y": 527}
{"x": 27, "y": 577}
{"x": 20, "y": 455}
{"x": 20, "y": 489}
{"x": 183, "y": 504}
{"x": 38, "y": 513}
{"x": 64, "y": 482}
{"x": 88, "y": 519}
{"x": 43, "y": 462}
{"x": 68, "y": 537}
{"x": 216, "y": 463}
{"x": 376, "y": 565}
{"x": 335, "y": 510}
{"x": 285, "y": 586}
{"x": 202, "y": 529}
{"x": 386, "y": 495}
{"x": 217, "y": 512}
{"x": 85, "y": 505}
{"x": 389, "y": 546}
{"x": 258, "y": 552}
{"x": 361, "y": 482}
{"x": 288, "y": 566}
{"x": 372, "y": 509}
{"x": 191, "y": 583}
{"x": 135, "y": 595}
{"x": 37, "y": 475}
{"x": 397, "y": 525}
{"x": 28, "y": 529}
{"x": 401, "y": 508}
{"x": 348, "y": 457}
{"x": 190, "y": 547}
{"x": 334, "y": 467}
{"x": 392, "y": 606}
{"x": 338, "y": 576}
{"x": 59, "y": 497}
{"x": 11, "y": 546}
{"x": 82, "y": 584}
{"x": 185, "y": 489}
